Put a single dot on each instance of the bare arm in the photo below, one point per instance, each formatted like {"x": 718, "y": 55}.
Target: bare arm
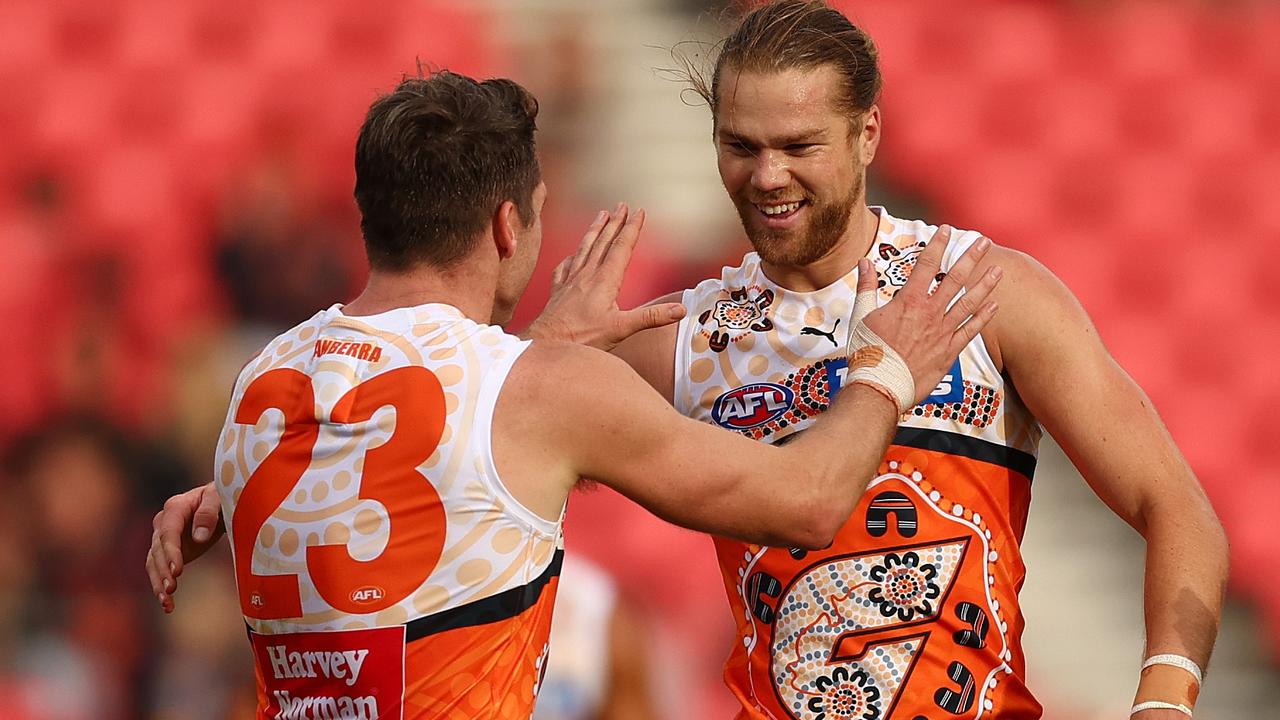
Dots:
{"x": 1111, "y": 432}
{"x": 608, "y": 425}
{"x": 652, "y": 353}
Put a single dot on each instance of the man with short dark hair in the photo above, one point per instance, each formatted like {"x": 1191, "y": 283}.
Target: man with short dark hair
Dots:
{"x": 395, "y": 470}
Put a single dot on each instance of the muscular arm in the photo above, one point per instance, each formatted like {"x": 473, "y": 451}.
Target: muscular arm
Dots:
{"x": 610, "y": 426}
{"x": 1111, "y": 432}
{"x": 652, "y": 353}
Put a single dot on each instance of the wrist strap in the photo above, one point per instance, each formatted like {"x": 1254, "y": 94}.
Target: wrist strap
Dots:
{"x": 1158, "y": 705}
{"x": 1177, "y": 661}
{"x": 873, "y": 361}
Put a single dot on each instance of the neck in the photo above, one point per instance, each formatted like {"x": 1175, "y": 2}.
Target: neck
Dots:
{"x": 852, "y": 246}
{"x": 460, "y": 286}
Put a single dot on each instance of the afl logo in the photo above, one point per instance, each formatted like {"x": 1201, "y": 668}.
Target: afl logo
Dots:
{"x": 751, "y": 405}
{"x": 366, "y": 594}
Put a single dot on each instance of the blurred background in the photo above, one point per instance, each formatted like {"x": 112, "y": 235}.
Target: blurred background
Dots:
{"x": 175, "y": 188}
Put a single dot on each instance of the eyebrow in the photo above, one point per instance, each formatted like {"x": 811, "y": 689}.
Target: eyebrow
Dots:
{"x": 804, "y": 137}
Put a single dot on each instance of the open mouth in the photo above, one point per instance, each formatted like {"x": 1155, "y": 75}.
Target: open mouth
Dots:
{"x": 776, "y": 212}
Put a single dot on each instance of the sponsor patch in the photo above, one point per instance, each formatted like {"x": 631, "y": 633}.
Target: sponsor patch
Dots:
{"x": 751, "y": 405}
{"x": 354, "y": 674}
{"x": 950, "y": 388}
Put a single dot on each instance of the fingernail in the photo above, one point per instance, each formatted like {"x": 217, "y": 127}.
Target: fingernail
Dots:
{"x": 983, "y": 243}
{"x": 200, "y": 534}
{"x": 996, "y": 272}
{"x": 167, "y": 585}
{"x": 172, "y": 568}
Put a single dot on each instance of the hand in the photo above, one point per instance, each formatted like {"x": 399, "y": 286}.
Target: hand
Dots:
{"x": 919, "y": 326}
{"x": 189, "y": 524}
{"x": 584, "y": 292}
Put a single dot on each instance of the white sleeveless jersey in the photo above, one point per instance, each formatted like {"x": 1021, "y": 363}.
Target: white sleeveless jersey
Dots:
{"x": 383, "y": 568}
{"x": 912, "y": 611}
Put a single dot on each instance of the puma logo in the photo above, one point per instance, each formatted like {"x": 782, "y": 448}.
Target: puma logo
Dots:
{"x": 806, "y": 330}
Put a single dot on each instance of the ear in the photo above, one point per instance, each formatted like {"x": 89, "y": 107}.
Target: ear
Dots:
{"x": 869, "y": 139}
{"x": 505, "y": 220}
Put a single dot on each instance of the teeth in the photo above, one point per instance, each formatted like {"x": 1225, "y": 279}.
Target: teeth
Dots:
{"x": 778, "y": 209}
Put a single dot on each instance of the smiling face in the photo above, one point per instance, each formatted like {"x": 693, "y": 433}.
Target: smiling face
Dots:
{"x": 792, "y": 161}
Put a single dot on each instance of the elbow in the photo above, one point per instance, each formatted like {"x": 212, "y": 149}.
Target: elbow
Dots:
{"x": 813, "y": 521}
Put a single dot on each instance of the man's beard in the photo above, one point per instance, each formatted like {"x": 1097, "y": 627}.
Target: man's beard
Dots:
{"x": 807, "y": 244}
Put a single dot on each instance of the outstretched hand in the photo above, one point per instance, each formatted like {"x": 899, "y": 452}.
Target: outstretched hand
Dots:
{"x": 928, "y": 329}
{"x": 584, "y": 293}
{"x": 189, "y": 524}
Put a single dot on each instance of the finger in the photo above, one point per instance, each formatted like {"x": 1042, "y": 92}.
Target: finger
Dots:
{"x": 617, "y": 221}
{"x": 561, "y": 273}
{"x": 865, "y": 301}
{"x": 973, "y": 298}
{"x": 206, "y": 517}
{"x": 650, "y": 316}
{"x": 866, "y": 276}
{"x": 620, "y": 250}
{"x": 589, "y": 240}
{"x": 972, "y": 327}
{"x": 959, "y": 274}
{"x": 166, "y": 603}
{"x": 157, "y": 582}
{"x": 169, "y": 538}
{"x": 928, "y": 262}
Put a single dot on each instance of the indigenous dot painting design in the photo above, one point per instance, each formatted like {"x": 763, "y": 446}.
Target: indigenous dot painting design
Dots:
{"x": 912, "y": 611}
{"x": 850, "y": 629}
{"x": 897, "y": 264}
{"x": 730, "y": 319}
{"x": 322, "y": 546}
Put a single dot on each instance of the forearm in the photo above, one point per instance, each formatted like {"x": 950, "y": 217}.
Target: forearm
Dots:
{"x": 1186, "y": 575}
{"x": 842, "y": 451}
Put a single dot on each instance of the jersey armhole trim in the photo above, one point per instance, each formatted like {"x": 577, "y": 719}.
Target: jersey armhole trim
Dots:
{"x": 680, "y": 383}
{"x": 487, "y": 399}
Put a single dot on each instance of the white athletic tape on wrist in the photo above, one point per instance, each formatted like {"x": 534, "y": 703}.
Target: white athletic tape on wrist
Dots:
{"x": 1178, "y": 661}
{"x": 1157, "y": 705}
{"x": 871, "y": 360}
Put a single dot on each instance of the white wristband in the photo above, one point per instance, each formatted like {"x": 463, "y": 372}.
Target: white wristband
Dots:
{"x": 871, "y": 359}
{"x": 1158, "y": 705}
{"x": 1177, "y": 661}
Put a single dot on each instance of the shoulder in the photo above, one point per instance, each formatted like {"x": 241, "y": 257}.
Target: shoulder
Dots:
{"x": 900, "y": 234}
{"x": 555, "y": 373}
{"x": 1035, "y": 306}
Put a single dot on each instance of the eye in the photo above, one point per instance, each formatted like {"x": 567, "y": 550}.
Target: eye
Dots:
{"x": 737, "y": 148}
{"x": 800, "y": 148}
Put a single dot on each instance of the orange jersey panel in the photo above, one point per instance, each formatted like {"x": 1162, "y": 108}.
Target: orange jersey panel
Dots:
{"x": 907, "y": 612}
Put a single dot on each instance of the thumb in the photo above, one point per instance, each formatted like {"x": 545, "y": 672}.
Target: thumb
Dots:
{"x": 650, "y": 316}
{"x": 865, "y": 301}
{"x": 205, "y": 518}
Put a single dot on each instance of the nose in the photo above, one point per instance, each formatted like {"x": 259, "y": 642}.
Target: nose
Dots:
{"x": 770, "y": 172}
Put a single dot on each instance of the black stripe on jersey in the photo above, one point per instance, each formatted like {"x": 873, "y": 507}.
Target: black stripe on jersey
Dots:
{"x": 973, "y": 448}
{"x": 504, "y": 605}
